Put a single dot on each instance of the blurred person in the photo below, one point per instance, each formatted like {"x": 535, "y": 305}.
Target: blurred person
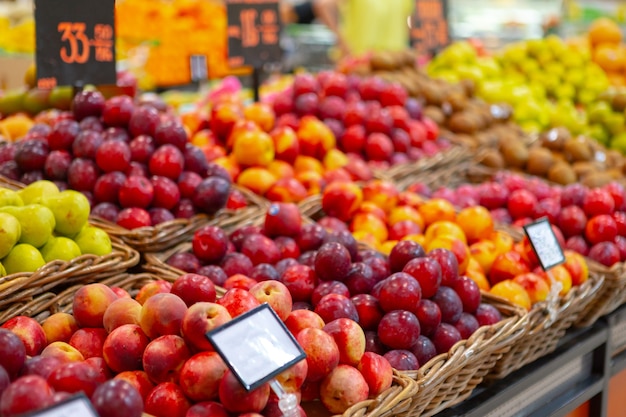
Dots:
{"x": 361, "y": 26}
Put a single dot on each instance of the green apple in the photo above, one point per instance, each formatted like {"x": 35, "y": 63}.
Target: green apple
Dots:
{"x": 23, "y": 258}
{"x": 70, "y": 209}
{"x": 60, "y": 248}
{"x": 34, "y": 192}
{"x": 94, "y": 241}
{"x": 10, "y": 231}
{"x": 10, "y": 198}
{"x": 37, "y": 223}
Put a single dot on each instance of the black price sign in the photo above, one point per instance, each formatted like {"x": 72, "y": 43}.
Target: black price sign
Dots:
{"x": 256, "y": 346}
{"x": 544, "y": 243}
{"x": 75, "y": 406}
{"x": 253, "y": 32}
{"x": 75, "y": 42}
{"x": 429, "y": 26}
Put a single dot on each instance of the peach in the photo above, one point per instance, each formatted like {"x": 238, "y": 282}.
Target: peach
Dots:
{"x": 536, "y": 287}
{"x": 456, "y": 246}
{"x": 302, "y": 319}
{"x": 372, "y": 208}
{"x": 402, "y": 213}
{"x": 287, "y": 190}
{"x": 240, "y": 128}
{"x": 29, "y": 331}
{"x": 223, "y": 118}
{"x": 503, "y": 242}
{"x": 201, "y": 375}
{"x": 164, "y": 357}
{"x": 335, "y": 159}
{"x": 475, "y": 272}
{"x": 436, "y": 209}
{"x": 377, "y": 372}
{"x": 162, "y": 314}
{"x": 120, "y": 292}
{"x": 281, "y": 169}
{"x": 153, "y": 288}
{"x": 214, "y": 152}
{"x": 484, "y": 253}
{"x": 258, "y": 180}
{"x": 194, "y": 288}
{"x": 577, "y": 267}
{"x": 276, "y": 295}
{"x": 90, "y": 302}
{"x": 343, "y": 388}
{"x": 560, "y": 274}
{"x": 305, "y": 163}
{"x": 315, "y": 138}
{"x": 27, "y": 393}
{"x": 507, "y": 266}
{"x": 236, "y": 399}
{"x": 239, "y": 281}
{"x": 121, "y": 311}
{"x": 382, "y": 193}
{"x": 408, "y": 198}
{"x": 322, "y": 353}
{"x": 476, "y": 222}
{"x": 335, "y": 175}
{"x": 62, "y": 351}
{"x": 139, "y": 380}
{"x": 286, "y": 144}
{"x": 513, "y": 292}
{"x": 89, "y": 341}
{"x": 199, "y": 319}
{"x": 123, "y": 349}
{"x": 238, "y": 301}
{"x": 312, "y": 181}
{"x": 293, "y": 378}
{"x": 370, "y": 223}
{"x": 202, "y": 138}
{"x": 261, "y": 114}
{"x": 59, "y": 327}
{"x": 167, "y": 399}
{"x": 445, "y": 227}
{"x": 252, "y": 148}
{"x": 350, "y": 340}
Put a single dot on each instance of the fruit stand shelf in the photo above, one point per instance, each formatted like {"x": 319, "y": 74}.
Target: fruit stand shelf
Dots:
{"x": 578, "y": 371}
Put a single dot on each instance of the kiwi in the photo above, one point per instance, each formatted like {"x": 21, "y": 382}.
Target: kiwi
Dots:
{"x": 562, "y": 173}
{"x": 515, "y": 154}
{"x": 383, "y": 60}
{"x": 463, "y": 122}
{"x": 435, "y": 113}
{"x": 465, "y": 140}
{"x": 492, "y": 158}
{"x": 596, "y": 179}
{"x": 577, "y": 149}
{"x": 458, "y": 101}
{"x": 584, "y": 168}
{"x": 555, "y": 138}
{"x": 540, "y": 160}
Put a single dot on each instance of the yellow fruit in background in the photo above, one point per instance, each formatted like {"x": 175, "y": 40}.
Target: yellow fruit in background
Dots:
{"x": 34, "y": 192}
{"x": 10, "y": 198}
{"x": 37, "y": 223}
{"x": 23, "y": 258}
{"x": 15, "y": 126}
{"x": 94, "y": 241}
{"x": 253, "y": 148}
{"x": 10, "y": 232}
{"x": 60, "y": 248}
{"x": 513, "y": 292}
{"x": 71, "y": 211}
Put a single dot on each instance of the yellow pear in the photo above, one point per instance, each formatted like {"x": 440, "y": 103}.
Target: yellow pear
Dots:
{"x": 94, "y": 241}
{"x": 10, "y": 231}
{"x": 34, "y": 192}
{"x": 70, "y": 209}
{"x": 37, "y": 223}
{"x": 23, "y": 258}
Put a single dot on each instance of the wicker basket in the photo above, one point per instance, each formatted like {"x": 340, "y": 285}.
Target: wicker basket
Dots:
{"x": 455, "y": 155}
{"x": 611, "y": 295}
{"x": 450, "y": 378}
{"x": 22, "y": 287}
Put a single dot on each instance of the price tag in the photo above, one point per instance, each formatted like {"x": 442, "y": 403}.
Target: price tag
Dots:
{"x": 75, "y": 42}
{"x": 429, "y": 26}
{"x": 253, "y": 32}
{"x": 256, "y": 346}
{"x": 544, "y": 243}
{"x": 198, "y": 68}
{"x": 76, "y": 406}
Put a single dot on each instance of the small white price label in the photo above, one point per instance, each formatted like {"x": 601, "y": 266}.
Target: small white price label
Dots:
{"x": 544, "y": 243}
{"x": 256, "y": 346}
{"x": 76, "y": 406}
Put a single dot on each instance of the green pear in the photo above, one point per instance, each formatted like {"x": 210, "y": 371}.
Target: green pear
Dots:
{"x": 10, "y": 231}
{"x": 23, "y": 258}
{"x": 10, "y": 198}
{"x": 94, "y": 241}
{"x": 60, "y": 248}
{"x": 34, "y": 192}
{"x": 37, "y": 223}
{"x": 70, "y": 209}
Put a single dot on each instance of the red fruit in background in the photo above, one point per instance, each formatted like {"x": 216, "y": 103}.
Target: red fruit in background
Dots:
{"x": 305, "y": 83}
{"x": 354, "y": 115}
{"x": 469, "y": 292}
{"x": 82, "y": 174}
{"x": 432, "y": 128}
{"x": 429, "y": 315}
{"x": 171, "y": 133}
{"x": 424, "y": 350}
{"x": 74, "y": 377}
{"x": 57, "y": 165}
{"x": 328, "y": 287}
{"x": 606, "y": 253}
{"x": 370, "y": 88}
{"x": 492, "y": 195}
{"x": 466, "y": 325}
{"x": 141, "y": 148}
{"x": 238, "y": 236}
{"x": 63, "y": 134}
{"x": 166, "y": 192}
{"x": 620, "y": 222}
{"x": 601, "y": 228}
{"x": 577, "y": 244}
{"x": 368, "y": 310}
{"x": 598, "y": 201}
{"x": 402, "y": 360}
{"x": 377, "y": 120}
{"x": 28, "y": 393}
{"x": 264, "y": 272}
{"x": 260, "y": 249}
{"x": 287, "y": 247}
{"x": 617, "y": 192}
{"x": 283, "y": 219}
{"x": 113, "y": 155}
{"x": 211, "y": 194}
{"x": 335, "y": 85}
{"x": 360, "y": 279}
{"x": 449, "y": 264}
{"x": 332, "y": 107}
{"x": 136, "y": 191}
{"x": 143, "y": 121}
{"x": 378, "y": 147}
{"x": 449, "y": 303}
{"x": 620, "y": 242}
{"x": 167, "y": 399}
{"x": 332, "y": 262}
{"x": 353, "y": 139}
{"x": 487, "y": 314}
{"x": 336, "y": 306}
{"x": 117, "y": 111}
{"x": 207, "y": 409}
{"x": 133, "y": 218}
{"x": 236, "y": 263}
{"x": 160, "y": 215}
{"x": 194, "y": 288}
{"x": 300, "y": 280}
{"x": 117, "y": 398}
{"x": 237, "y": 301}
{"x": 106, "y": 188}
{"x": 393, "y": 94}
{"x": 521, "y": 204}
{"x": 88, "y": 341}
{"x": 167, "y": 161}
{"x": 399, "y": 329}
{"x": 87, "y": 103}
{"x": 403, "y": 252}
{"x": 311, "y": 237}
{"x": 572, "y": 221}
{"x": 548, "y": 207}
{"x": 344, "y": 238}
{"x": 573, "y": 195}
{"x": 427, "y": 271}
{"x": 444, "y": 337}
{"x": 12, "y": 352}
{"x": 399, "y": 292}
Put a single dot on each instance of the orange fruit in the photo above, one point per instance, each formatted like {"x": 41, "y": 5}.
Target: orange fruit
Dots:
{"x": 437, "y": 209}
{"x": 253, "y": 149}
{"x": 401, "y": 213}
{"x": 513, "y": 292}
{"x": 444, "y": 227}
{"x": 262, "y": 114}
{"x": 604, "y": 31}
{"x": 476, "y": 223}
{"x": 611, "y": 58}
{"x": 307, "y": 163}
{"x": 259, "y": 180}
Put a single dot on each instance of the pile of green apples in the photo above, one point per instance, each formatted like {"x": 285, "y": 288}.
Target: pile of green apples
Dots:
{"x": 40, "y": 224}
{"x": 548, "y": 82}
